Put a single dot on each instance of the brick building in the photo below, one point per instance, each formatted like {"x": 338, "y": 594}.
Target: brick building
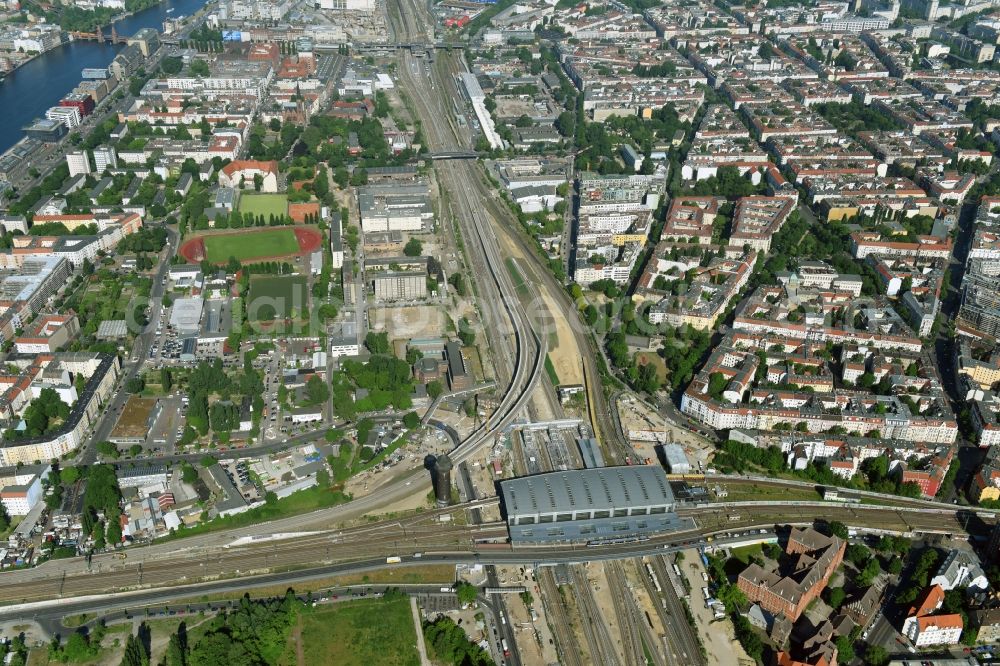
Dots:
{"x": 788, "y": 590}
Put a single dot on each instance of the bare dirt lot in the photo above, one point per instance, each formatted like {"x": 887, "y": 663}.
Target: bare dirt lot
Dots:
{"x": 719, "y": 637}
{"x": 513, "y": 107}
{"x": 562, "y": 347}
{"x": 416, "y": 321}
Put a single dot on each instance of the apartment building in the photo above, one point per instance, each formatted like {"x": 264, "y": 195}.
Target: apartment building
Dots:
{"x": 101, "y": 372}
{"x": 757, "y": 219}
{"x": 924, "y": 628}
{"x": 47, "y": 333}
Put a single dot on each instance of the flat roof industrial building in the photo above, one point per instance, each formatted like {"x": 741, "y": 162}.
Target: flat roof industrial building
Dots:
{"x": 185, "y": 316}
{"x": 590, "y": 504}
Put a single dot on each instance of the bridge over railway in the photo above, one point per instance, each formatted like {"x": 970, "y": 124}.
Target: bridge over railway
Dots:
{"x": 455, "y": 155}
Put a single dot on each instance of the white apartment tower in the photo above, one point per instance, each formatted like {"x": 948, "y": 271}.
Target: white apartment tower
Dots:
{"x": 104, "y": 158}
{"x": 78, "y": 162}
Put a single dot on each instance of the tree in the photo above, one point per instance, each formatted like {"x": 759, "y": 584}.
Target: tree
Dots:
{"x": 868, "y": 573}
{"x": 171, "y": 65}
{"x": 566, "y": 123}
{"x": 107, "y": 449}
{"x": 188, "y": 473}
{"x": 113, "y": 534}
{"x": 434, "y": 389}
{"x": 845, "y": 649}
{"x": 857, "y": 554}
{"x": 836, "y": 597}
{"x": 135, "y": 652}
{"x": 717, "y": 383}
{"x": 207, "y": 461}
{"x": 748, "y": 638}
{"x": 78, "y": 648}
{"x": 465, "y": 332}
{"x": 317, "y": 390}
{"x": 875, "y": 655}
{"x": 411, "y": 420}
{"x": 377, "y": 343}
{"x": 458, "y": 283}
{"x": 166, "y": 379}
{"x": 838, "y": 529}
{"x": 466, "y": 593}
{"x": 188, "y": 436}
{"x": 198, "y": 67}
{"x": 732, "y": 597}
{"x": 175, "y": 652}
{"x": 450, "y": 644}
{"x": 413, "y": 248}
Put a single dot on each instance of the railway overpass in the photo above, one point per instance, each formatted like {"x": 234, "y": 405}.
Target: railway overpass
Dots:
{"x": 455, "y": 155}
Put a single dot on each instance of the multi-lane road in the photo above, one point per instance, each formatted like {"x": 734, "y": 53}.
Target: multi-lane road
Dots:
{"x": 140, "y": 349}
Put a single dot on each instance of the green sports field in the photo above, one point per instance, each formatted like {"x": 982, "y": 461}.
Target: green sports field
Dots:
{"x": 251, "y": 245}
{"x": 264, "y": 204}
{"x": 276, "y": 297}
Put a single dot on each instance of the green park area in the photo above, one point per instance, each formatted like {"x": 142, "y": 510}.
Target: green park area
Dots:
{"x": 361, "y": 633}
{"x": 276, "y": 297}
{"x": 264, "y": 204}
{"x": 251, "y": 245}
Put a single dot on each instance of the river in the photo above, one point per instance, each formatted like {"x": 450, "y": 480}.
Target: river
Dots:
{"x": 30, "y": 90}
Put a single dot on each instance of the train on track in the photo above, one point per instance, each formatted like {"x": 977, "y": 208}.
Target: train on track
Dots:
{"x": 596, "y": 543}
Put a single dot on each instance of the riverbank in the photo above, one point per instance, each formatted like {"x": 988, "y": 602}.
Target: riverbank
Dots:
{"x": 32, "y": 56}
{"x": 39, "y": 83}
{"x": 84, "y": 20}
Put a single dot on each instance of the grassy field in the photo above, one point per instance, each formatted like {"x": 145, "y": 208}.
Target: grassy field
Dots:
{"x": 515, "y": 274}
{"x": 550, "y": 370}
{"x": 744, "y": 553}
{"x": 251, "y": 245}
{"x": 284, "y": 293}
{"x": 741, "y": 492}
{"x": 654, "y": 358}
{"x": 264, "y": 204}
{"x": 370, "y": 632}
{"x": 297, "y": 503}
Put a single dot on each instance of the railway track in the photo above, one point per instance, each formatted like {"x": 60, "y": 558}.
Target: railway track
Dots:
{"x": 595, "y": 627}
{"x": 629, "y": 627}
{"x": 178, "y": 563}
{"x": 616, "y": 449}
{"x": 109, "y": 574}
{"x": 518, "y": 352}
{"x": 660, "y": 607}
{"x": 559, "y": 623}
{"x": 683, "y": 639}
{"x": 652, "y": 644}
